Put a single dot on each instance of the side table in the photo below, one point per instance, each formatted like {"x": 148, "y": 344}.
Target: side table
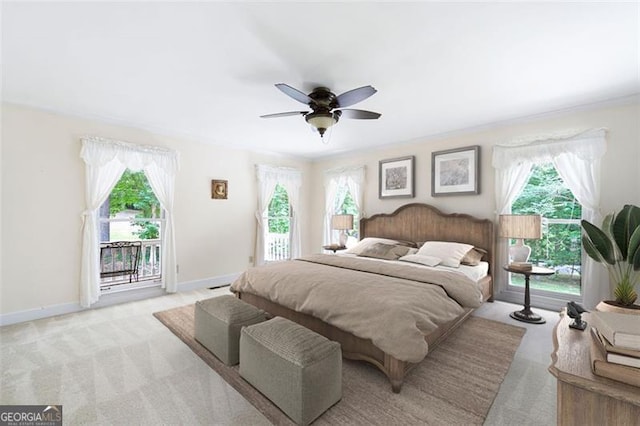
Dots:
{"x": 526, "y": 314}
{"x": 583, "y": 397}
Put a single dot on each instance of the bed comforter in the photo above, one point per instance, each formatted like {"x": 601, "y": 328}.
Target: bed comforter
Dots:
{"x": 394, "y": 306}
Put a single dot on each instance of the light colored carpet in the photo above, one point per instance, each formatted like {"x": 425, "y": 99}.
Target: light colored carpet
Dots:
{"x": 455, "y": 384}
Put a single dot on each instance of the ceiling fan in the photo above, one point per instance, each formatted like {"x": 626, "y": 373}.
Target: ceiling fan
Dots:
{"x": 326, "y": 107}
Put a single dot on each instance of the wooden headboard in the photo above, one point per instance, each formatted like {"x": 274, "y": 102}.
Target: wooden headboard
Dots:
{"x": 422, "y": 222}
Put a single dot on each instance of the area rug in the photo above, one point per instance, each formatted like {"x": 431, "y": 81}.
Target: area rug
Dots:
{"x": 454, "y": 385}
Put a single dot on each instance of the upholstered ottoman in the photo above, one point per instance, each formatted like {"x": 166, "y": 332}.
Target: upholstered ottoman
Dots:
{"x": 299, "y": 370}
{"x": 218, "y": 322}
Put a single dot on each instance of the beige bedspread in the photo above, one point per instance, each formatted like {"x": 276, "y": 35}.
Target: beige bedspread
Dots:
{"x": 395, "y": 310}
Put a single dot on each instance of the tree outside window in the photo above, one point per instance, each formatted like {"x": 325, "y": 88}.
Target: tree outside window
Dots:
{"x": 131, "y": 193}
{"x": 560, "y": 247}
{"x": 348, "y": 206}
{"x": 132, "y": 212}
{"x": 279, "y": 212}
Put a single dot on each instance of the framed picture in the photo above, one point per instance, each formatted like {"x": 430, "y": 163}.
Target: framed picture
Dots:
{"x": 396, "y": 177}
{"x": 455, "y": 171}
{"x": 219, "y": 189}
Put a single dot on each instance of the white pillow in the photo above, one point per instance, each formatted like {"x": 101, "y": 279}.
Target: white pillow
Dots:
{"x": 423, "y": 260}
{"x": 365, "y": 243}
{"x": 450, "y": 253}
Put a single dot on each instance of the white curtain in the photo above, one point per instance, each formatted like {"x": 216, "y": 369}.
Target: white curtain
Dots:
{"x": 336, "y": 182}
{"x": 162, "y": 182}
{"x": 105, "y": 161}
{"x": 509, "y": 182}
{"x": 577, "y": 160}
{"x": 291, "y": 181}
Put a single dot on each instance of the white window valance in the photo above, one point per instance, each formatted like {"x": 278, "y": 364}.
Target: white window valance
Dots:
{"x": 587, "y": 145}
{"x": 343, "y": 173}
{"x": 281, "y": 175}
{"x": 99, "y": 151}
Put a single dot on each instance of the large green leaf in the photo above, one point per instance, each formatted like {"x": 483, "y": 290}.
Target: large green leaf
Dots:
{"x": 634, "y": 245}
{"x": 636, "y": 261}
{"x": 624, "y": 225}
{"x": 634, "y": 226}
{"x": 600, "y": 243}
{"x": 591, "y": 250}
{"x": 634, "y": 216}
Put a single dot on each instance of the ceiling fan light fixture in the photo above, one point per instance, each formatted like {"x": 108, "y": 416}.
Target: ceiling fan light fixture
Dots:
{"x": 321, "y": 121}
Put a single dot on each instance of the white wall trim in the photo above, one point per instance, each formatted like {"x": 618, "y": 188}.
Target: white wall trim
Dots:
{"x": 110, "y": 299}
{"x": 38, "y": 313}
{"x": 218, "y": 281}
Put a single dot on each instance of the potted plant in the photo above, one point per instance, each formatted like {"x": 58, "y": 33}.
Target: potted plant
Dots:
{"x": 617, "y": 246}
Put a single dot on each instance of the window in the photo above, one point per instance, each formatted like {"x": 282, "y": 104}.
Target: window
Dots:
{"x": 285, "y": 209}
{"x": 560, "y": 248}
{"x": 105, "y": 161}
{"x": 343, "y": 195}
{"x": 132, "y": 213}
{"x": 278, "y": 241}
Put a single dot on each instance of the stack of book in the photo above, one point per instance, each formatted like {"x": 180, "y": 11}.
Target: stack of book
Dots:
{"x": 615, "y": 346}
{"x": 521, "y": 266}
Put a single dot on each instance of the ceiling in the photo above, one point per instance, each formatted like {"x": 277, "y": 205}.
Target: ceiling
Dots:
{"x": 206, "y": 70}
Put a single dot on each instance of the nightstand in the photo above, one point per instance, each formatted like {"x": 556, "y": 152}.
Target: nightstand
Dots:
{"x": 334, "y": 247}
{"x": 583, "y": 397}
{"x": 526, "y": 314}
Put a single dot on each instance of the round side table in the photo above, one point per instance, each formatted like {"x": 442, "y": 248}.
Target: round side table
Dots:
{"x": 526, "y": 314}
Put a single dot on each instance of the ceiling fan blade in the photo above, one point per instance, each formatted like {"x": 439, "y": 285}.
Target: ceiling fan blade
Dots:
{"x": 295, "y": 93}
{"x": 284, "y": 114}
{"x": 359, "y": 114}
{"x": 354, "y": 96}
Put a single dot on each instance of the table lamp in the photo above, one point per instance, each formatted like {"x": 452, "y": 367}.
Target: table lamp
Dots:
{"x": 520, "y": 227}
{"x": 342, "y": 223}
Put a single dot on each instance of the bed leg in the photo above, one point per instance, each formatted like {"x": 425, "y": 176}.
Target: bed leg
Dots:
{"x": 395, "y": 371}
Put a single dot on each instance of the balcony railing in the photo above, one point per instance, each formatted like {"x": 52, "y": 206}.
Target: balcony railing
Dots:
{"x": 149, "y": 267}
{"x": 277, "y": 247}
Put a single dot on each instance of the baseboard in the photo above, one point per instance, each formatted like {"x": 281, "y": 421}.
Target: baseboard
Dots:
{"x": 218, "y": 281}
{"x": 110, "y": 299}
{"x": 39, "y": 313}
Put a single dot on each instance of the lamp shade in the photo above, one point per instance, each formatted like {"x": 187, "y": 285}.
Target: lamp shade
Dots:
{"x": 342, "y": 222}
{"x": 520, "y": 226}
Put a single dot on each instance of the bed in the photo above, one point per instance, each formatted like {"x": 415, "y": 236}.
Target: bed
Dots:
{"x": 413, "y": 223}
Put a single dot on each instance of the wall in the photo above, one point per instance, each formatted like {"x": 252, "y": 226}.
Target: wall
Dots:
{"x": 620, "y": 166}
{"x": 43, "y": 199}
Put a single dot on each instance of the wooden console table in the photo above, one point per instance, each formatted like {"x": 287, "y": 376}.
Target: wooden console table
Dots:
{"x": 585, "y": 398}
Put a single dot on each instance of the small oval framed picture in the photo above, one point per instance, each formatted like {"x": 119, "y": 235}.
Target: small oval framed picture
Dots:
{"x": 219, "y": 189}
